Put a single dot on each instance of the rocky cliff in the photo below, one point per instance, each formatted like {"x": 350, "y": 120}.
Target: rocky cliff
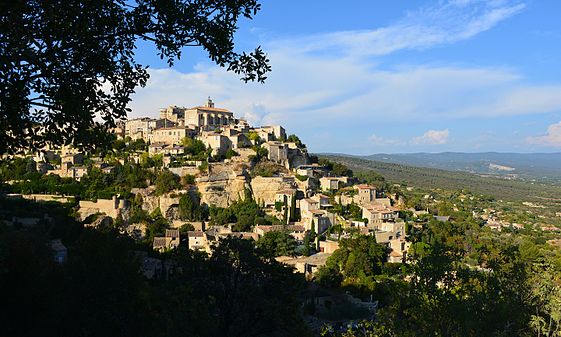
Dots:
{"x": 224, "y": 184}
{"x": 265, "y": 188}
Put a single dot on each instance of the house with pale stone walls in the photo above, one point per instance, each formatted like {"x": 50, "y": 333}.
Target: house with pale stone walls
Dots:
{"x": 170, "y": 241}
{"x": 172, "y": 135}
{"x": 277, "y": 152}
{"x": 379, "y": 214}
{"x": 332, "y": 183}
{"x": 365, "y": 194}
{"x": 218, "y": 143}
{"x": 197, "y": 240}
{"x": 173, "y": 113}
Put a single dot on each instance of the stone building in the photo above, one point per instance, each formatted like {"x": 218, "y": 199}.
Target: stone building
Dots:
{"x": 140, "y": 128}
{"x": 271, "y": 132}
{"x": 332, "y": 183}
{"x": 170, "y": 241}
{"x": 219, "y": 143}
{"x": 208, "y": 117}
{"x": 173, "y": 113}
{"x": 377, "y": 214}
{"x": 366, "y": 194}
{"x": 171, "y": 135}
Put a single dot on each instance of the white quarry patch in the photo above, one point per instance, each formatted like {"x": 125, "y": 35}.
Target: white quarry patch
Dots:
{"x": 498, "y": 167}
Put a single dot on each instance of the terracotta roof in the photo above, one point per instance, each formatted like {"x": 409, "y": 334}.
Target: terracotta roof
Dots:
{"x": 160, "y": 241}
{"x": 195, "y": 234}
{"x": 172, "y": 233}
{"x": 172, "y": 128}
{"x": 210, "y": 109}
{"x": 395, "y": 254}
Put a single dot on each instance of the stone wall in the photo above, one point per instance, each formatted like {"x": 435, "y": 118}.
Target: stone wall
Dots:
{"x": 106, "y": 206}
{"x": 111, "y": 207}
{"x": 43, "y": 197}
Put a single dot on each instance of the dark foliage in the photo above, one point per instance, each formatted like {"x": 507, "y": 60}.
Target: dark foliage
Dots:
{"x": 65, "y": 62}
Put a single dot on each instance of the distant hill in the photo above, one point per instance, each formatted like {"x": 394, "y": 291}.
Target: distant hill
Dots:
{"x": 500, "y": 187}
{"x": 544, "y": 167}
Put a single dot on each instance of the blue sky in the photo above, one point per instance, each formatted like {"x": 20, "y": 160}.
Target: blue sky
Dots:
{"x": 366, "y": 77}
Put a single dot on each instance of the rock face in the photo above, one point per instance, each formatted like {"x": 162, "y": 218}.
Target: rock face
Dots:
{"x": 265, "y": 188}
{"x": 224, "y": 184}
{"x": 103, "y": 221}
{"x": 222, "y": 193}
{"x": 168, "y": 204}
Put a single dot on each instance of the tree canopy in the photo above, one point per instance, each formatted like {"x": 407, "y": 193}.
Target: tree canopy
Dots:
{"x": 64, "y": 63}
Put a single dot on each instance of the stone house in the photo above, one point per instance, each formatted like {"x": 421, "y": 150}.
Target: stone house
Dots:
{"x": 66, "y": 170}
{"x": 328, "y": 246}
{"x": 323, "y": 201}
{"x": 379, "y": 214}
{"x": 395, "y": 227}
{"x": 238, "y": 139}
{"x": 277, "y": 152}
{"x": 272, "y": 132}
{"x": 365, "y": 194}
{"x": 218, "y": 143}
{"x": 170, "y": 241}
{"x": 307, "y": 265}
{"x": 73, "y": 158}
{"x": 141, "y": 128}
{"x": 311, "y": 170}
{"x": 165, "y": 149}
{"x": 319, "y": 220}
{"x": 241, "y": 125}
{"x": 172, "y": 135}
{"x": 332, "y": 183}
{"x": 174, "y": 114}
{"x": 306, "y": 206}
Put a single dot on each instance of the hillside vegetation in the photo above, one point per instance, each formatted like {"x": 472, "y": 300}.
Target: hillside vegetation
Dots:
{"x": 513, "y": 190}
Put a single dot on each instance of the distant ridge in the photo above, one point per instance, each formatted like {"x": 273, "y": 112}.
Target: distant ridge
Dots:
{"x": 527, "y": 166}
{"x": 501, "y": 187}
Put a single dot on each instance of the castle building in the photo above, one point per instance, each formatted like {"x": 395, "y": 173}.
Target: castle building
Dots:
{"x": 208, "y": 117}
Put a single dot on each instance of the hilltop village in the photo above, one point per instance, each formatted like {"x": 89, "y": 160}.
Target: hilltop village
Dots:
{"x": 206, "y": 222}
{"x": 208, "y": 160}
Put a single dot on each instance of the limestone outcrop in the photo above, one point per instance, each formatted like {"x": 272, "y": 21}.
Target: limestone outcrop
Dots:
{"x": 265, "y": 188}
{"x": 168, "y": 204}
{"x": 224, "y": 184}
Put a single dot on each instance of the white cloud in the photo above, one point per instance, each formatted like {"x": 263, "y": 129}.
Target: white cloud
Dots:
{"x": 444, "y": 22}
{"x": 432, "y": 137}
{"x": 377, "y": 140}
{"x": 552, "y": 138}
